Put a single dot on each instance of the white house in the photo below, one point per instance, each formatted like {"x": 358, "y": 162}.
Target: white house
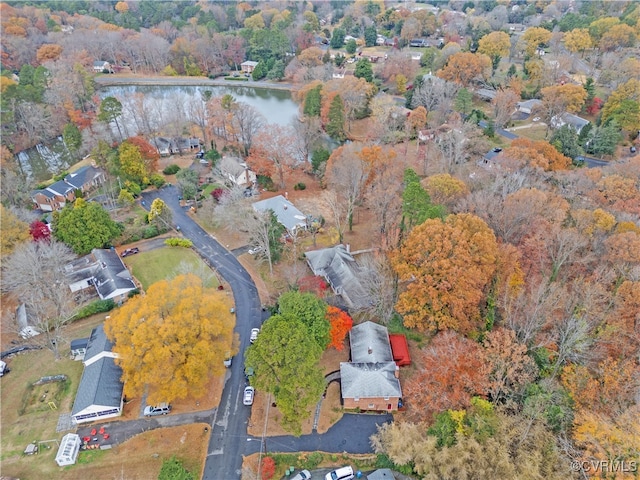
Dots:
{"x": 527, "y": 106}
{"x": 103, "y": 270}
{"x": 237, "y": 172}
{"x": 99, "y": 394}
{"x": 100, "y": 66}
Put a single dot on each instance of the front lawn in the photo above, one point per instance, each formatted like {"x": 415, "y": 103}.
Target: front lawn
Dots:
{"x": 155, "y": 265}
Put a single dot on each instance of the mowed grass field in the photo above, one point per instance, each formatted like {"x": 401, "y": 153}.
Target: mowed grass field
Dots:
{"x": 162, "y": 263}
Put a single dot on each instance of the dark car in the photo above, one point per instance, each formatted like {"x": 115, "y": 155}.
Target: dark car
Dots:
{"x": 130, "y": 251}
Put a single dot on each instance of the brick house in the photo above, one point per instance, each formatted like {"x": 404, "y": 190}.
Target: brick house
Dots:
{"x": 370, "y": 380}
{"x": 56, "y": 195}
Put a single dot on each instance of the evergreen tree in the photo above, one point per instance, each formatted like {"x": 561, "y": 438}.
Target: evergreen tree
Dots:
{"x": 370, "y": 36}
{"x": 335, "y": 127}
{"x": 313, "y": 102}
{"x": 565, "y": 139}
{"x": 277, "y": 71}
{"x": 364, "y": 70}
{"x": 72, "y": 137}
{"x": 258, "y": 72}
{"x": 351, "y": 46}
{"x": 318, "y": 158}
{"x": 603, "y": 139}
{"x": 512, "y": 71}
{"x": 337, "y": 39}
{"x": 464, "y": 101}
{"x": 85, "y": 226}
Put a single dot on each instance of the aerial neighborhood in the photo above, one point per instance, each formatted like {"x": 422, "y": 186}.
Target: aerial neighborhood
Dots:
{"x": 320, "y": 240}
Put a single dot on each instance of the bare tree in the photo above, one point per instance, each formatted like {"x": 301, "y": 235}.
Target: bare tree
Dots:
{"x": 504, "y": 105}
{"x": 380, "y": 283}
{"x": 35, "y": 273}
{"x": 247, "y": 122}
{"x": 307, "y": 135}
{"x": 347, "y": 174}
{"x": 338, "y": 211}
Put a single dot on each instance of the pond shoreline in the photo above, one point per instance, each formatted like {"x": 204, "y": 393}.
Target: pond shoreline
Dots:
{"x": 107, "y": 80}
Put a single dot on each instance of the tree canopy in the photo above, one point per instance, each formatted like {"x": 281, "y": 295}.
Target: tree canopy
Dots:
{"x": 446, "y": 268}
{"x": 285, "y": 360}
{"x": 171, "y": 339}
{"x": 310, "y": 310}
{"x": 85, "y": 226}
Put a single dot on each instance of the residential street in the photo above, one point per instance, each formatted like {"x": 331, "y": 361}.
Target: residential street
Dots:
{"x": 229, "y": 440}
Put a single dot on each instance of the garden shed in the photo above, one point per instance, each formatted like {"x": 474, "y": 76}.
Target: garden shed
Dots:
{"x": 68, "y": 451}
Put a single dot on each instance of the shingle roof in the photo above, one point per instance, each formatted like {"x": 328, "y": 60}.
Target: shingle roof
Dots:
{"x": 111, "y": 274}
{"x": 370, "y": 343}
{"x": 82, "y": 176}
{"x": 98, "y": 343}
{"x": 369, "y": 380}
{"x": 79, "y": 343}
{"x": 287, "y": 213}
{"x": 60, "y": 187}
{"x": 341, "y": 270}
{"x": 100, "y": 385}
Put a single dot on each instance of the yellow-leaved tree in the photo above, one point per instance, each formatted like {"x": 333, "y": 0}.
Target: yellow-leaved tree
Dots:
{"x": 172, "y": 339}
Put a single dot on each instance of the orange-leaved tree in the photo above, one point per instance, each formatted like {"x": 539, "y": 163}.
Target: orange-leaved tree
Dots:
{"x": 341, "y": 323}
{"x": 537, "y": 153}
{"x": 451, "y": 370}
{"x": 446, "y": 268}
{"x": 466, "y": 67}
{"x": 171, "y": 339}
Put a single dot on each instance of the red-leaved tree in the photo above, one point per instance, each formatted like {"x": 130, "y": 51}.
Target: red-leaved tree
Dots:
{"x": 268, "y": 469}
{"x": 341, "y": 323}
{"x": 313, "y": 284}
{"x": 451, "y": 370}
{"x": 39, "y": 231}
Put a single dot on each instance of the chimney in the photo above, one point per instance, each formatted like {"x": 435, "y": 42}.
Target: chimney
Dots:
{"x": 370, "y": 351}
{"x": 348, "y": 247}
{"x": 397, "y": 372}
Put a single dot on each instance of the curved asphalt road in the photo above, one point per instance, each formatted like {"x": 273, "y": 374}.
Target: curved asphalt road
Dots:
{"x": 229, "y": 440}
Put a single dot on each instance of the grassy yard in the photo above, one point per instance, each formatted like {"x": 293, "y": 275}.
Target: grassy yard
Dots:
{"x": 155, "y": 265}
{"x": 39, "y": 420}
{"x": 138, "y": 458}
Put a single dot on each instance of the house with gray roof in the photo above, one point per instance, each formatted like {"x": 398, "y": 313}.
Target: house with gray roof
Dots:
{"x": 340, "y": 269}
{"x": 86, "y": 178}
{"x": 286, "y": 212}
{"x": 99, "y": 394}
{"x": 370, "y": 381}
{"x": 527, "y": 106}
{"x": 574, "y": 121}
{"x": 102, "y": 270}
{"x": 57, "y": 195}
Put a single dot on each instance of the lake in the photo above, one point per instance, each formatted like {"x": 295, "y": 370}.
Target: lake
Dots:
{"x": 165, "y": 101}
{"x": 41, "y": 162}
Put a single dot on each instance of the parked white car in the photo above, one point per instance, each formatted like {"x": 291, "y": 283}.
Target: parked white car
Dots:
{"x": 255, "y": 250}
{"x": 161, "y": 409}
{"x": 247, "y": 399}
{"x": 254, "y": 334}
{"x": 228, "y": 359}
{"x": 303, "y": 475}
